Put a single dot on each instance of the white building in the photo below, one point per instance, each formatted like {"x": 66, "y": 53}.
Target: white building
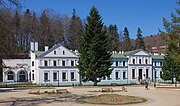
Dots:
{"x": 55, "y": 66}
{"x": 16, "y": 70}
{"x": 139, "y": 65}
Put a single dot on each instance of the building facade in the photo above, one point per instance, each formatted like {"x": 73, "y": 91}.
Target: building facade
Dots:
{"x": 57, "y": 66}
{"x": 16, "y": 70}
{"x": 157, "y": 67}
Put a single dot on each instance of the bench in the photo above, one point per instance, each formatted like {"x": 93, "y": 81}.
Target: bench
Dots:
{"x": 124, "y": 89}
{"x": 34, "y": 91}
{"x": 60, "y": 91}
{"x": 106, "y": 89}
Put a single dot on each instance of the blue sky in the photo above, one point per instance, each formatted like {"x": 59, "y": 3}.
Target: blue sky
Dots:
{"x": 146, "y": 14}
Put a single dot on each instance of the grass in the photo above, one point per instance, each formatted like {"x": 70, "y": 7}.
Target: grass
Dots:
{"x": 112, "y": 99}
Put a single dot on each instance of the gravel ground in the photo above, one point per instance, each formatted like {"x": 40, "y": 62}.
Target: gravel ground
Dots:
{"x": 155, "y": 97}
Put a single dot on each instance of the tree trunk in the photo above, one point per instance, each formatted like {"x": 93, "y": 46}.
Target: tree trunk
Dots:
{"x": 95, "y": 82}
{"x": 176, "y": 82}
{"x": 172, "y": 80}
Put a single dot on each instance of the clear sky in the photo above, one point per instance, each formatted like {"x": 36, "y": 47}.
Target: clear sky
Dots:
{"x": 146, "y": 14}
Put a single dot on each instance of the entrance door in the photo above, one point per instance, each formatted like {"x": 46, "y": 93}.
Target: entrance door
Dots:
{"x": 140, "y": 74}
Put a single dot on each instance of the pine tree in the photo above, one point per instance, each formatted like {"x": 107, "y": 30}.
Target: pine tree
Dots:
{"x": 75, "y": 29}
{"x": 172, "y": 57}
{"x": 94, "y": 49}
{"x": 113, "y": 37}
{"x": 127, "y": 41}
{"x": 139, "y": 40}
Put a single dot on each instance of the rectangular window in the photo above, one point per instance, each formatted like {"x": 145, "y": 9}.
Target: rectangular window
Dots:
{"x": 63, "y": 52}
{"x": 124, "y": 63}
{"x": 32, "y": 76}
{"x": 133, "y": 73}
{"x": 146, "y": 61}
{"x": 124, "y": 75}
{"x": 147, "y": 73}
{"x": 63, "y": 63}
{"x": 32, "y": 63}
{"x": 117, "y": 75}
{"x": 45, "y": 63}
{"x": 161, "y": 63}
{"x": 54, "y": 52}
{"x": 133, "y": 61}
{"x": 54, "y": 63}
{"x": 72, "y": 76}
{"x": 139, "y": 61}
{"x": 55, "y": 76}
{"x": 72, "y": 63}
{"x": 155, "y": 63}
{"x": 116, "y": 63}
{"x": 45, "y": 76}
{"x": 64, "y": 76}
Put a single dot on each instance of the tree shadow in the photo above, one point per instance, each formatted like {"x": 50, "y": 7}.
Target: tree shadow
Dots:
{"x": 47, "y": 99}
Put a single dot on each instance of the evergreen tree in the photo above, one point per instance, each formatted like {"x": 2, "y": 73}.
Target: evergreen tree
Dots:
{"x": 113, "y": 37}
{"x": 127, "y": 41}
{"x": 172, "y": 57}
{"x": 75, "y": 29}
{"x": 139, "y": 40}
{"x": 94, "y": 50}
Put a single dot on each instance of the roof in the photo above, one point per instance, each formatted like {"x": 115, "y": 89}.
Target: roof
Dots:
{"x": 134, "y": 51}
{"x": 16, "y": 62}
{"x": 157, "y": 57}
{"x": 38, "y": 53}
{"x": 53, "y": 48}
{"x": 122, "y": 56}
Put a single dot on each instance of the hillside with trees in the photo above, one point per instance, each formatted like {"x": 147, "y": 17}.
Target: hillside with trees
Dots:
{"x": 19, "y": 28}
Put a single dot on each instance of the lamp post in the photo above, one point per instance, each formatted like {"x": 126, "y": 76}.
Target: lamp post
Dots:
{"x": 58, "y": 78}
{"x": 154, "y": 77}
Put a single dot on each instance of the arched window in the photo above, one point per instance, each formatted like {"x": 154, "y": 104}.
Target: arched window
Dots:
{"x": 10, "y": 75}
{"x": 22, "y": 73}
{"x": 22, "y": 76}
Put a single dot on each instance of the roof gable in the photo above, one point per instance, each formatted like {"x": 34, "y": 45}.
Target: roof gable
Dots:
{"x": 137, "y": 52}
{"x": 58, "y": 51}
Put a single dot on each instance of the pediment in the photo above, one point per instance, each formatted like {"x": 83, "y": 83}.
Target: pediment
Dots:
{"x": 59, "y": 51}
{"x": 141, "y": 53}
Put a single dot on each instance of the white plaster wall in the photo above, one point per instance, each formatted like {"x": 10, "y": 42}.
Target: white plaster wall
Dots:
{"x": 59, "y": 53}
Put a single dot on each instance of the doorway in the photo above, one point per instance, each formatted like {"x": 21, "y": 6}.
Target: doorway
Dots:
{"x": 140, "y": 74}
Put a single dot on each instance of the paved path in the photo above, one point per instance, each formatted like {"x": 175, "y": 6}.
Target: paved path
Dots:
{"x": 155, "y": 97}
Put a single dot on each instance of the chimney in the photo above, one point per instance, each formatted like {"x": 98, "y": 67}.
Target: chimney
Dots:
{"x": 46, "y": 48}
{"x": 122, "y": 52}
{"x": 32, "y": 46}
{"x": 36, "y": 46}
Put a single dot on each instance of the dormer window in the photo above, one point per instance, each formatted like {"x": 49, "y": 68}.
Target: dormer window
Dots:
{"x": 54, "y": 52}
{"x": 63, "y": 52}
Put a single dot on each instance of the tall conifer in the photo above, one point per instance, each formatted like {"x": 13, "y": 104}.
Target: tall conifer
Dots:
{"x": 139, "y": 40}
{"x": 94, "y": 50}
